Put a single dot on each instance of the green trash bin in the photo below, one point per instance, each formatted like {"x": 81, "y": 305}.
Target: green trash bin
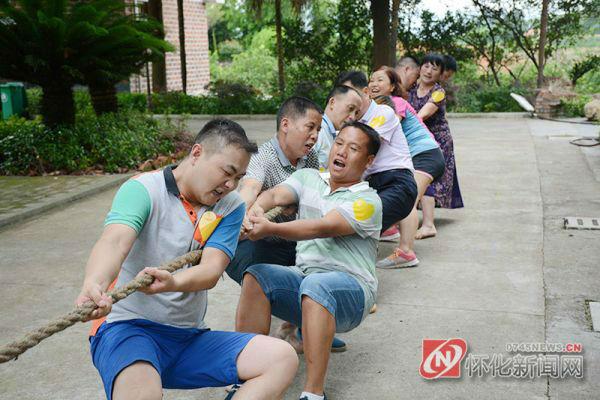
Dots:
{"x": 14, "y": 99}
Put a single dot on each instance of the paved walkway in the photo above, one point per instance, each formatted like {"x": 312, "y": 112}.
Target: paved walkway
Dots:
{"x": 501, "y": 271}
{"x": 24, "y": 197}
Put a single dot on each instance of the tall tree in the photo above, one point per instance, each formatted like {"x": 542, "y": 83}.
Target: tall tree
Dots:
{"x": 380, "y": 14}
{"x": 542, "y": 44}
{"x": 127, "y": 42}
{"x": 58, "y": 43}
{"x": 394, "y": 32}
{"x": 257, "y": 6}
{"x": 159, "y": 65}
{"x": 519, "y": 19}
{"x": 278, "y": 36}
{"x": 332, "y": 40}
{"x": 182, "y": 53}
{"x": 424, "y": 32}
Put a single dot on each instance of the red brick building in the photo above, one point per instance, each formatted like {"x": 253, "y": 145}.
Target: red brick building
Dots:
{"x": 196, "y": 48}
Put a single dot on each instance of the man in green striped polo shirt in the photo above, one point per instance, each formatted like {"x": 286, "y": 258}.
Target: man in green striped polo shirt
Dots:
{"x": 333, "y": 285}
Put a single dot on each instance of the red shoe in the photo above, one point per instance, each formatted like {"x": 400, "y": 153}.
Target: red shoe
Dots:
{"x": 390, "y": 235}
{"x": 398, "y": 259}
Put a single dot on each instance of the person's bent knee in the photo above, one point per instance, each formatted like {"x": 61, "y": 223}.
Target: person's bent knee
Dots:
{"x": 249, "y": 281}
{"x": 251, "y": 285}
{"x": 265, "y": 355}
{"x": 287, "y": 356}
{"x": 139, "y": 381}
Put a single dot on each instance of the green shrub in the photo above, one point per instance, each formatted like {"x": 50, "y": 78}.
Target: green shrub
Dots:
{"x": 255, "y": 66}
{"x": 224, "y": 98}
{"x": 229, "y": 48}
{"x": 110, "y": 142}
{"x": 574, "y": 107}
{"x": 132, "y": 102}
{"x": 34, "y": 101}
{"x": 81, "y": 97}
{"x": 478, "y": 97}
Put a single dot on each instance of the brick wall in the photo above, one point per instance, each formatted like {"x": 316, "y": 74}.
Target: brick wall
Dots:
{"x": 196, "y": 46}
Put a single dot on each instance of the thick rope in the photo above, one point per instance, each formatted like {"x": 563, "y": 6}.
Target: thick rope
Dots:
{"x": 82, "y": 312}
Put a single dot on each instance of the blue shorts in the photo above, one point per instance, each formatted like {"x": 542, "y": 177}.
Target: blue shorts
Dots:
{"x": 339, "y": 292}
{"x": 185, "y": 358}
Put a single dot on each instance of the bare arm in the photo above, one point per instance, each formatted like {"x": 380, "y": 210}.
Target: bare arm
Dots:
{"x": 249, "y": 190}
{"x": 427, "y": 111}
{"x": 200, "y": 277}
{"x": 104, "y": 265}
{"x": 331, "y": 225}
{"x": 280, "y": 195}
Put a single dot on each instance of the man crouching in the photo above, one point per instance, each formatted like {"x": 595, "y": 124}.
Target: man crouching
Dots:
{"x": 333, "y": 285}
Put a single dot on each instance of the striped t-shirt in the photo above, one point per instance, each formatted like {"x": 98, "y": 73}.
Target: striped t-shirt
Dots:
{"x": 354, "y": 254}
{"x": 270, "y": 167}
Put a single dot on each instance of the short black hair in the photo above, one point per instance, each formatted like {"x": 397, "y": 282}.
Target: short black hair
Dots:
{"x": 219, "y": 133}
{"x": 358, "y": 79}
{"x": 296, "y": 107}
{"x": 340, "y": 89}
{"x": 434, "y": 59}
{"x": 450, "y": 63}
{"x": 374, "y": 140}
{"x": 408, "y": 60}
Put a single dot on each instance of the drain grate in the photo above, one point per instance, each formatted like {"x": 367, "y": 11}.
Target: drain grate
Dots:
{"x": 582, "y": 223}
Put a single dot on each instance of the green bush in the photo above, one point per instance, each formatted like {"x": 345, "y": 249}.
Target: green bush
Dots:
{"x": 110, "y": 143}
{"x": 229, "y": 48}
{"x": 81, "y": 97}
{"x": 226, "y": 98}
{"x": 34, "y": 101}
{"x": 477, "y": 97}
{"x": 574, "y": 107}
{"x": 255, "y": 66}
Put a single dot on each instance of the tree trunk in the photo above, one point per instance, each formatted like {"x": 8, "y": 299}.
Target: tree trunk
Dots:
{"x": 380, "y": 13}
{"x": 279, "y": 38}
{"x": 104, "y": 99}
{"x": 495, "y": 73}
{"x": 182, "y": 54}
{"x": 394, "y": 32}
{"x": 159, "y": 68}
{"x": 542, "y": 45}
{"x": 58, "y": 106}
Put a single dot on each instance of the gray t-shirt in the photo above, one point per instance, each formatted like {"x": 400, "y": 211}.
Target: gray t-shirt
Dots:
{"x": 171, "y": 228}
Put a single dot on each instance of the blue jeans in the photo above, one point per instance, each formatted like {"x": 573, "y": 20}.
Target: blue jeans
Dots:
{"x": 261, "y": 251}
{"x": 339, "y": 292}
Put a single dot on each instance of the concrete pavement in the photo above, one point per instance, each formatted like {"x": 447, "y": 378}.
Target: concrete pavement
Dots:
{"x": 502, "y": 270}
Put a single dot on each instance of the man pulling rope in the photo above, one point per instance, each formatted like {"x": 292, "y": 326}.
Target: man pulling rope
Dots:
{"x": 161, "y": 341}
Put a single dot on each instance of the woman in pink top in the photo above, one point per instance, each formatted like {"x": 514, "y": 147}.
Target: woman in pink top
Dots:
{"x": 427, "y": 158}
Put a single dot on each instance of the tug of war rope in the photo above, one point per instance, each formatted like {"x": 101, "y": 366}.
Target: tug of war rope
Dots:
{"x": 82, "y": 312}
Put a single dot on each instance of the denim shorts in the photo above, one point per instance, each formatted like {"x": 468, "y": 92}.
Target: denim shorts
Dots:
{"x": 339, "y": 292}
{"x": 185, "y": 358}
{"x": 250, "y": 252}
{"x": 397, "y": 190}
